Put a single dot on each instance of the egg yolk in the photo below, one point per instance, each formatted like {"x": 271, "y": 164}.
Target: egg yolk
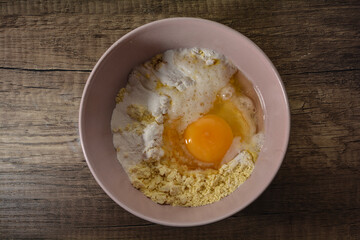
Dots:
{"x": 208, "y": 139}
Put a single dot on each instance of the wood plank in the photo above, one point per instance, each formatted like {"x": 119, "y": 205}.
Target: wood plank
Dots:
{"x": 84, "y": 30}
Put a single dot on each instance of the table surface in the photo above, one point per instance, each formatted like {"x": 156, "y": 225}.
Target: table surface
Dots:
{"x": 47, "y": 50}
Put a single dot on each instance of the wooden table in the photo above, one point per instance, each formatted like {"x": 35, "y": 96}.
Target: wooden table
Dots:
{"x": 47, "y": 50}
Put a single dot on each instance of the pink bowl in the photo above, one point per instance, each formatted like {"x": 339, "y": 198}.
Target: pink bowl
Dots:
{"x": 110, "y": 74}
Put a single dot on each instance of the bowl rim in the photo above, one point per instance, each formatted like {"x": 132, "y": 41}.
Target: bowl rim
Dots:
{"x": 82, "y": 119}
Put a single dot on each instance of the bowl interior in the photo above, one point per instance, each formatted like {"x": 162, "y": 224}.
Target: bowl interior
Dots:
{"x": 110, "y": 74}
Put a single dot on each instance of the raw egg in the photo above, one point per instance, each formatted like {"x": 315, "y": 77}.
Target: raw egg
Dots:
{"x": 208, "y": 139}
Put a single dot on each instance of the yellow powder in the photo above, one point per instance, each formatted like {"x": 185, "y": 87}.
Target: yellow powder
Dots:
{"x": 216, "y": 61}
{"x": 117, "y": 130}
{"x": 142, "y": 118}
{"x": 166, "y": 183}
{"x": 156, "y": 62}
{"x": 159, "y": 85}
{"x": 136, "y": 127}
{"x": 139, "y": 113}
{"x": 201, "y": 53}
{"x": 120, "y": 96}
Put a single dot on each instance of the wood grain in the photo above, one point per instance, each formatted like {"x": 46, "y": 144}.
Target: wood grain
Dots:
{"x": 47, "y": 50}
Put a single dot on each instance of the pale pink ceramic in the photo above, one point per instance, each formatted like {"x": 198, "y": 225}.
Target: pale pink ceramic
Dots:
{"x": 110, "y": 74}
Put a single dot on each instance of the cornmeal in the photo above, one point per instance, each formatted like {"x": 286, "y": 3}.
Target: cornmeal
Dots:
{"x": 167, "y": 183}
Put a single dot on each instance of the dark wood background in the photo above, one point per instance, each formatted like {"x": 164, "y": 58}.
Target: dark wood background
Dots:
{"x": 47, "y": 50}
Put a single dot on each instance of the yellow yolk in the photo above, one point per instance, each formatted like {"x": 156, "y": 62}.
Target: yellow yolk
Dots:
{"x": 208, "y": 139}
